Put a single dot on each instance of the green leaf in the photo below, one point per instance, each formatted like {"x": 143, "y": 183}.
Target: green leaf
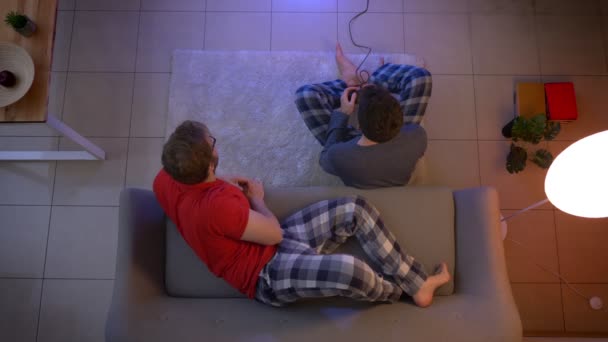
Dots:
{"x": 537, "y": 128}
{"x": 516, "y": 160}
{"x": 543, "y": 158}
{"x": 529, "y": 130}
{"x": 15, "y": 20}
{"x": 552, "y": 130}
{"x": 518, "y": 129}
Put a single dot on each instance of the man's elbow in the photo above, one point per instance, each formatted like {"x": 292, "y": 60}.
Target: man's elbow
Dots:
{"x": 277, "y": 235}
{"x": 278, "y": 239}
{"x": 272, "y": 235}
{"x": 326, "y": 163}
{"x": 272, "y": 238}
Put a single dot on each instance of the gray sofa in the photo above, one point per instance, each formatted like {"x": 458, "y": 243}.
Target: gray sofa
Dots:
{"x": 163, "y": 293}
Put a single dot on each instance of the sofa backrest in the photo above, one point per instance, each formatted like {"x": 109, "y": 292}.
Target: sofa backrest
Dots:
{"x": 422, "y": 219}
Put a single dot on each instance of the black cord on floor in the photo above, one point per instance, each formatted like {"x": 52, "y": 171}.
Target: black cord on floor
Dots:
{"x": 360, "y": 73}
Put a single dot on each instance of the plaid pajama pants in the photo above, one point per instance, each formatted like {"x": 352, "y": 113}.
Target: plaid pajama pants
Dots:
{"x": 303, "y": 267}
{"x": 412, "y": 84}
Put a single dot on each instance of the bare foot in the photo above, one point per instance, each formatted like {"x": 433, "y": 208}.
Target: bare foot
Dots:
{"x": 424, "y": 296}
{"x": 422, "y": 62}
{"x": 348, "y": 71}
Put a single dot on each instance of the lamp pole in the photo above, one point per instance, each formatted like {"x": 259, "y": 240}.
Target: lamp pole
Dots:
{"x": 537, "y": 204}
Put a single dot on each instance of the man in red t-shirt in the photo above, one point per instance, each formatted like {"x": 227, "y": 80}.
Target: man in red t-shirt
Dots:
{"x": 227, "y": 224}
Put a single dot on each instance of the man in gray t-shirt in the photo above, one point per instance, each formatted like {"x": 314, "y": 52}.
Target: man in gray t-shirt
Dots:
{"x": 384, "y": 150}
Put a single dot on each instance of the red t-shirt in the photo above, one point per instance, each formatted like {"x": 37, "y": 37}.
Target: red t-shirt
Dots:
{"x": 211, "y": 218}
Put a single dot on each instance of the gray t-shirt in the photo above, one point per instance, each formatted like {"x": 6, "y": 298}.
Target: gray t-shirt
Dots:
{"x": 383, "y": 165}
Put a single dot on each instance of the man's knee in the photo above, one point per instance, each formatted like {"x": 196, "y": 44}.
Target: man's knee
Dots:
{"x": 364, "y": 280}
{"x": 359, "y": 201}
{"x": 305, "y": 91}
{"x": 363, "y": 209}
{"x": 356, "y": 205}
{"x": 421, "y": 72}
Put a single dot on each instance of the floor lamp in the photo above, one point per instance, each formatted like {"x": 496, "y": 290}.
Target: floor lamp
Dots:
{"x": 577, "y": 184}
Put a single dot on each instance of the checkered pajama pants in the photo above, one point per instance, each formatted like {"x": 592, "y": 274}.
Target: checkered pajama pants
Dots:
{"x": 303, "y": 267}
{"x": 412, "y": 84}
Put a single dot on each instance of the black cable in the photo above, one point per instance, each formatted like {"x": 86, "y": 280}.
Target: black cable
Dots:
{"x": 360, "y": 73}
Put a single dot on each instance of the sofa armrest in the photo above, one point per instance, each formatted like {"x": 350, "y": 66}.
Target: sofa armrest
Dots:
{"x": 481, "y": 271}
{"x": 140, "y": 259}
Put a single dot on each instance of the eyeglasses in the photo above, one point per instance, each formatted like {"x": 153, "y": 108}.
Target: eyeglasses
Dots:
{"x": 213, "y": 140}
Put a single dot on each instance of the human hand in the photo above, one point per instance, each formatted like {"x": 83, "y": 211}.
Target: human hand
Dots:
{"x": 348, "y": 100}
{"x": 252, "y": 188}
{"x": 232, "y": 179}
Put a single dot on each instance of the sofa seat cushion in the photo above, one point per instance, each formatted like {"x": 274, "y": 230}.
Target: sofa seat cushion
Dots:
{"x": 422, "y": 219}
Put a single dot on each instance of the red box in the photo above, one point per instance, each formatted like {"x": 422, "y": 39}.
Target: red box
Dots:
{"x": 561, "y": 101}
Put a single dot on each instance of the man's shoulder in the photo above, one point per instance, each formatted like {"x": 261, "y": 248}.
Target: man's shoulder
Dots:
{"x": 161, "y": 186}
{"x": 160, "y": 179}
{"x": 344, "y": 146}
{"x": 413, "y": 131}
{"x": 215, "y": 204}
{"x": 414, "y": 138}
{"x": 338, "y": 153}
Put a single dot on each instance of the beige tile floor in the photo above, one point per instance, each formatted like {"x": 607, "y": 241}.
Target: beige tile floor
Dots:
{"x": 110, "y": 81}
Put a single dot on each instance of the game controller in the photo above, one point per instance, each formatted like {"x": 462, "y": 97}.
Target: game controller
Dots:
{"x": 354, "y": 91}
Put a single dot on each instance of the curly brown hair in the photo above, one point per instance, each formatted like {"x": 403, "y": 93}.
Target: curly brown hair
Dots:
{"x": 187, "y": 154}
{"x": 380, "y": 117}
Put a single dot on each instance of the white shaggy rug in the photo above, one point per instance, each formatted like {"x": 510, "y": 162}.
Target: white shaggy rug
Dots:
{"x": 246, "y": 98}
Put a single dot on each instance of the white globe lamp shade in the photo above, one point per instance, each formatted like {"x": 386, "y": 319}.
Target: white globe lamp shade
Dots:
{"x": 577, "y": 181}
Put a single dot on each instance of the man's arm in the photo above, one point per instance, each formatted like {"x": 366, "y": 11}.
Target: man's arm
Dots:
{"x": 262, "y": 227}
{"x": 338, "y": 130}
{"x": 338, "y": 127}
{"x": 231, "y": 179}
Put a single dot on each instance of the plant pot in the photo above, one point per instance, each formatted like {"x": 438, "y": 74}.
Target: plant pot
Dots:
{"x": 506, "y": 130}
{"x": 27, "y": 30}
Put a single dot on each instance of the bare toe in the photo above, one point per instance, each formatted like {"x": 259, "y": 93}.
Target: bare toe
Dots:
{"x": 424, "y": 296}
{"x": 339, "y": 51}
{"x": 442, "y": 271}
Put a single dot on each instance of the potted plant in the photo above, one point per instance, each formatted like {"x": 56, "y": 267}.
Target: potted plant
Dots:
{"x": 20, "y": 23}
{"x": 531, "y": 131}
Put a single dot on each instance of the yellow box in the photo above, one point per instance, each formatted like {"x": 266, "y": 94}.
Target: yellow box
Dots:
{"x": 530, "y": 99}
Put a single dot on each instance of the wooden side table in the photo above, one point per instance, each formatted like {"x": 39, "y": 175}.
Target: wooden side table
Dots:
{"x": 32, "y": 108}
